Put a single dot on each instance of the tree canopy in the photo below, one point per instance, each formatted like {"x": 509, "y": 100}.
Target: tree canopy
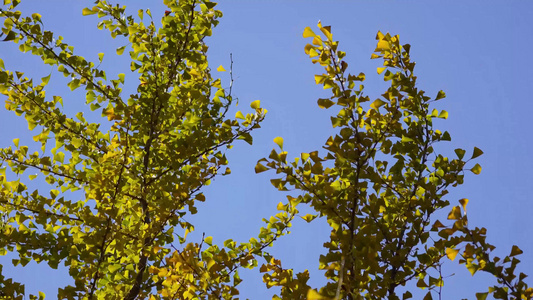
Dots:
{"x": 120, "y": 190}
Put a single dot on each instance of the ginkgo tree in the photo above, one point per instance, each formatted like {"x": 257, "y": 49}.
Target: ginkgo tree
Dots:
{"x": 380, "y": 186}
{"x": 114, "y": 195}
{"x": 115, "y": 204}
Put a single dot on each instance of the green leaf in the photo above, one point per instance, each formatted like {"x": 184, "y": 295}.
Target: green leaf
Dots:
{"x": 460, "y": 153}
{"x": 476, "y": 169}
{"x": 325, "y": 103}
{"x": 477, "y": 152}
{"x": 113, "y": 268}
{"x": 279, "y": 141}
{"x": 516, "y": 251}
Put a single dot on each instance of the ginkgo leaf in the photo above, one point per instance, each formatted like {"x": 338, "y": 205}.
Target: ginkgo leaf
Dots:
{"x": 451, "y": 253}
{"x": 255, "y": 104}
{"x": 221, "y": 69}
{"x": 308, "y": 32}
{"x": 460, "y": 153}
{"x": 377, "y": 104}
{"x": 515, "y": 251}
{"x": 314, "y": 295}
{"x": 464, "y": 202}
{"x": 279, "y": 141}
{"x": 476, "y": 169}
{"x": 120, "y": 50}
{"x": 260, "y": 168}
{"x": 380, "y": 70}
{"x": 455, "y": 214}
{"x": 477, "y": 152}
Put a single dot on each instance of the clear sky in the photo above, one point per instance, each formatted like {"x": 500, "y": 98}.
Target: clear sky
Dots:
{"x": 478, "y": 52}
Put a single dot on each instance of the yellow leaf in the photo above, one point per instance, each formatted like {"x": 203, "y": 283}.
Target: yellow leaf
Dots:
{"x": 455, "y": 214}
{"x": 451, "y": 253}
{"x": 256, "y": 104}
{"x": 314, "y": 295}
{"x": 374, "y": 56}
{"x": 221, "y": 69}
{"x": 308, "y": 32}
{"x": 239, "y": 115}
{"x": 380, "y": 70}
{"x": 383, "y": 45}
{"x": 280, "y": 206}
{"x": 279, "y": 141}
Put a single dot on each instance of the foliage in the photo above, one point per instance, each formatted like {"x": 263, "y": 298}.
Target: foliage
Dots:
{"x": 115, "y": 204}
{"x": 115, "y": 213}
{"x": 380, "y": 185}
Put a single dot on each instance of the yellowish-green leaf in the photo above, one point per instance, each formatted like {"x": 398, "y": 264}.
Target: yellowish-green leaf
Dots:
{"x": 443, "y": 114}
{"x": 476, "y": 169}
{"x": 16, "y": 142}
{"x": 86, "y": 11}
{"x": 209, "y": 240}
{"x": 100, "y": 57}
{"x": 482, "y": 296}
{"x": 120, "y": 50}
{"x": 309, "y": 217}
{"x": 377, "y": 104}
{"x": 440, "y": 95}
{"x": 260, "y": 168}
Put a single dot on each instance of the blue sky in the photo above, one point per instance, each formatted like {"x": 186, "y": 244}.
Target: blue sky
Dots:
{"x": 478, "y": 52}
